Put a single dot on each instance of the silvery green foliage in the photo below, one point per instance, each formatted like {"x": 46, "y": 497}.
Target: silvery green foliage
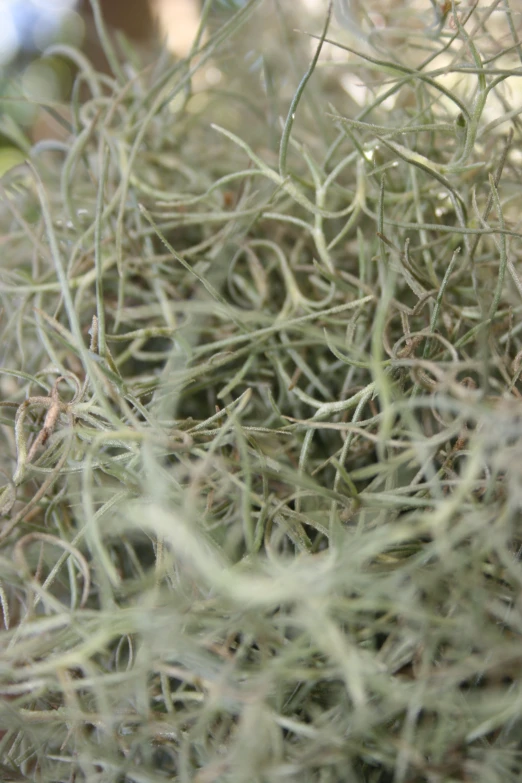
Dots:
{"x": 355, "y": 15}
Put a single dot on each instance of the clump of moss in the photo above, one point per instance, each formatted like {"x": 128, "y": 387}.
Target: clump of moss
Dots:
{"x": 261, "y": 414}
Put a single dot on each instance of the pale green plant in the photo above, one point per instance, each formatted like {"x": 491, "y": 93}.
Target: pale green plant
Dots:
{"x": 261, "y": 414}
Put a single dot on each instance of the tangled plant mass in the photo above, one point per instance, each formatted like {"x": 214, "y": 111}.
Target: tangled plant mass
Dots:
{"x": 261, "y": 410}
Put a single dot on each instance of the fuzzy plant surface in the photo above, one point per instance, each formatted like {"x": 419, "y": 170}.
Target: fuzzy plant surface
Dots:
{"x": 261, "y": 411}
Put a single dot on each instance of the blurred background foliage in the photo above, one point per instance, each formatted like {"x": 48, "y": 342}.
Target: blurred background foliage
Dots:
{"x": 36, "y": 78}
